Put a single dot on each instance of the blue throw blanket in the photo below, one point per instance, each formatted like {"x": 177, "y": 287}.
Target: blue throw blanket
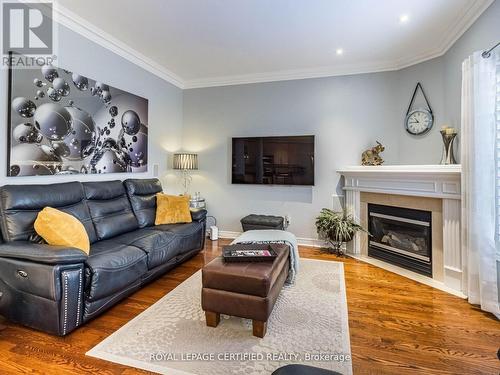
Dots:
{"x": 275, "y": 236}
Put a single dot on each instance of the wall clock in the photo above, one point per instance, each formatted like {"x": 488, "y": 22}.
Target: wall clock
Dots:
{"x": 420, "y": 120}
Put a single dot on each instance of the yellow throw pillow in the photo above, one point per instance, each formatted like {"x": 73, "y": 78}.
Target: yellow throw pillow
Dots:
{"x": 172, "y": 209}
{"x": 61, "y": 229}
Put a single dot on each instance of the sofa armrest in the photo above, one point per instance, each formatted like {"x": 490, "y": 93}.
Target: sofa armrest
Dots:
{"x": 199, "y": 215}
{"x": 42, "y": 253}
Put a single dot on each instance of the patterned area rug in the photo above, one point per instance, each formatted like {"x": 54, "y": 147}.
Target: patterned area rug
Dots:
{"x": 308, "y": 325}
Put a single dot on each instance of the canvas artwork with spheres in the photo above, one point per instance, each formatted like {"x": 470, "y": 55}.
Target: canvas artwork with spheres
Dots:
{"x": 62, "y": 122}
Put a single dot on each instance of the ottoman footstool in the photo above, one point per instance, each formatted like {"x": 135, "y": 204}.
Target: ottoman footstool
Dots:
{"x": 261, "y": 222}
{"x": 244, "y": 289}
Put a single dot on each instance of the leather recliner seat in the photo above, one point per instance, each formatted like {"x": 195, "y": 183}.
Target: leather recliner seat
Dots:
{"x": 56, "y": 289}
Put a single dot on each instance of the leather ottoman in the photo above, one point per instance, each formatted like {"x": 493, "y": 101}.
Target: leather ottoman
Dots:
{"x": 244, "y": 289}
{"x": 260, "y": 222}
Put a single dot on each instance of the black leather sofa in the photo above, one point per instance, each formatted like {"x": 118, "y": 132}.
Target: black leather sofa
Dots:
{"x": 57, "y": 289}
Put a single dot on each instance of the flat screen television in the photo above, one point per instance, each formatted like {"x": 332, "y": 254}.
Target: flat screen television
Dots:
{"x": 273, "y": 160}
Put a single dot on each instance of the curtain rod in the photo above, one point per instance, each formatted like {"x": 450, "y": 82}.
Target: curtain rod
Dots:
{"x": 487, "y": 53}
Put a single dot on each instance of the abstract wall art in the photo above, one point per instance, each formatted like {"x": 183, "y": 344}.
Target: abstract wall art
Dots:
{"x": 62, "y": 122}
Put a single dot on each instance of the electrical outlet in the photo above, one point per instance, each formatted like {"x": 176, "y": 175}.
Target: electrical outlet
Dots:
{"x": 288, "y": 219}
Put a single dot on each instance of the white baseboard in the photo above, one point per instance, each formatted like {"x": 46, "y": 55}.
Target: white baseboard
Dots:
{"x": 228, "y": 234}
{"x": 303, "y": 241}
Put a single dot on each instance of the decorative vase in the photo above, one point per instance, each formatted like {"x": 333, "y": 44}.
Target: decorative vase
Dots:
{"x": 448, "y": 138}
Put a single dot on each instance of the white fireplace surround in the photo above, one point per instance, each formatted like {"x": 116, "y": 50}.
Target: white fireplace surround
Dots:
{"x": 432, "y": 181}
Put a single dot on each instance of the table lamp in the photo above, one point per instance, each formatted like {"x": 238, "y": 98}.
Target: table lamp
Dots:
{"x": 185, "y": 162}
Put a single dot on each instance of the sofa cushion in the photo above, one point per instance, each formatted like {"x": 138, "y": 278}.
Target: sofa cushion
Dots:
{"x": 61, "y": 229}
{"x": 20, "y": 204}
{"x": 190, "y": 236}
{"x": 160, "y": 246}
{"x": 112, "y": 267}
{"x": 110, "y": 208}
{"x": 172, "y": 209}
{"x": 142, "y": 195}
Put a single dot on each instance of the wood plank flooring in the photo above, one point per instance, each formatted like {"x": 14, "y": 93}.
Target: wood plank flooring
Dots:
{"x": 397, "y": 326}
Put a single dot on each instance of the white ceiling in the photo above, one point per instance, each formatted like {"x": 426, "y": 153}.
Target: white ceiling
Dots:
{"x": 197, "y": 43}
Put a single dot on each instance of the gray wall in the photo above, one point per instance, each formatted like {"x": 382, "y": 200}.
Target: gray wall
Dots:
{"x": 347, "y": 114}
{"x": 427, "y": 148}
{"x": 81, "y": 55}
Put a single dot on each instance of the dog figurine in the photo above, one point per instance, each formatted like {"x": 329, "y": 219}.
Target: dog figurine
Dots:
{"x": 372, "y": 155}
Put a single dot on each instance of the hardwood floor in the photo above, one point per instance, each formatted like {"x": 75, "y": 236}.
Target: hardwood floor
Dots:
{"x": 397, "y": 326}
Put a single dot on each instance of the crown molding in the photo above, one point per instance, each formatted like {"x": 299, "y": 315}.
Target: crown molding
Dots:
{"x": 83, "y": 27}
{"x": 286, "y": 75}
{"x": 466, "y": 19}
{"x": 468, "y": 16}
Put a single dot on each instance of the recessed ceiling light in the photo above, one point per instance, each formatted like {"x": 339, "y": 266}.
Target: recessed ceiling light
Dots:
{"x": 339, "y": 51}
{"x": 404, "y": 18}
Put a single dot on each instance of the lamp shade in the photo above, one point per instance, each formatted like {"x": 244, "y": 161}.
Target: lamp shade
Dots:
{"x": 185, "y": 161}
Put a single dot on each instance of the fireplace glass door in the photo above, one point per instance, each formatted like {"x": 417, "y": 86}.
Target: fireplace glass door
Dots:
{"x": 401, "y": 236}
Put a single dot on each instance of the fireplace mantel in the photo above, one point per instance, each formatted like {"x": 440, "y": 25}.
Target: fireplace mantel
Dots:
{"x": 434, "y": 181}
{"x": 430, "y": 181}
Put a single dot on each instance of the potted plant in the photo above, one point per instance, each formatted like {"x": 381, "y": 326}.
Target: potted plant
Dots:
{"x": 337, "y": 227}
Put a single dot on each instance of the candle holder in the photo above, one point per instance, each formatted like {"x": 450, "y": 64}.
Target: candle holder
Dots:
{"x": 448, "y": 135}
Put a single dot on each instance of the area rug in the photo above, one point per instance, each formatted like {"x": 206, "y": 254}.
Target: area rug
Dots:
{"x": 308, "y": 325}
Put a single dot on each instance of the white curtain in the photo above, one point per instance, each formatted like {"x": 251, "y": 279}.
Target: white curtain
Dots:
{"x": 480, "y": 141}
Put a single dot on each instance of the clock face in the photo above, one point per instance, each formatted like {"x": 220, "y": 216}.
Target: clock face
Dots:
{"x": 419, "y": 122}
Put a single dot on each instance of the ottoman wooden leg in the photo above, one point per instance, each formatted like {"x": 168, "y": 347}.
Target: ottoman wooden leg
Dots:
{"x": 212, "y": 318}
{"x": 259, "y": 328}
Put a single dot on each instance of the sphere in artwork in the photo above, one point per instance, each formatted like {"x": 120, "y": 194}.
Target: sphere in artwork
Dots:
{"x": 61, "y": 86}
{"x": 27, "y": 133}
{"x": 53, "y": 121}
{"x": 108, "y": 160}
{"x": 81, "y": 140}
{"x": 80, "y": 82}
{"x": 23, "y": 107}
{"x": 106, "y": 96}
{"x": 61, "y": 149}
{"x": 53, "y": 94}
{"x": 113, "y": 111}
{"x": 49, "y": 72}
{"x": 131, "y": 122}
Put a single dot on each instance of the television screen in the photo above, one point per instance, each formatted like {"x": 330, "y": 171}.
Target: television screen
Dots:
{"x": 273, "y": 160}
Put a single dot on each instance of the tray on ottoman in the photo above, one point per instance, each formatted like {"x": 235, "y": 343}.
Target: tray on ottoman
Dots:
{"x": 249, "y": 253}
{"x": 247, "y": 290}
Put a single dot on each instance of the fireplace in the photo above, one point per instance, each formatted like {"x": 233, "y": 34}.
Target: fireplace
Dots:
{"x": 401, "y": 236}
